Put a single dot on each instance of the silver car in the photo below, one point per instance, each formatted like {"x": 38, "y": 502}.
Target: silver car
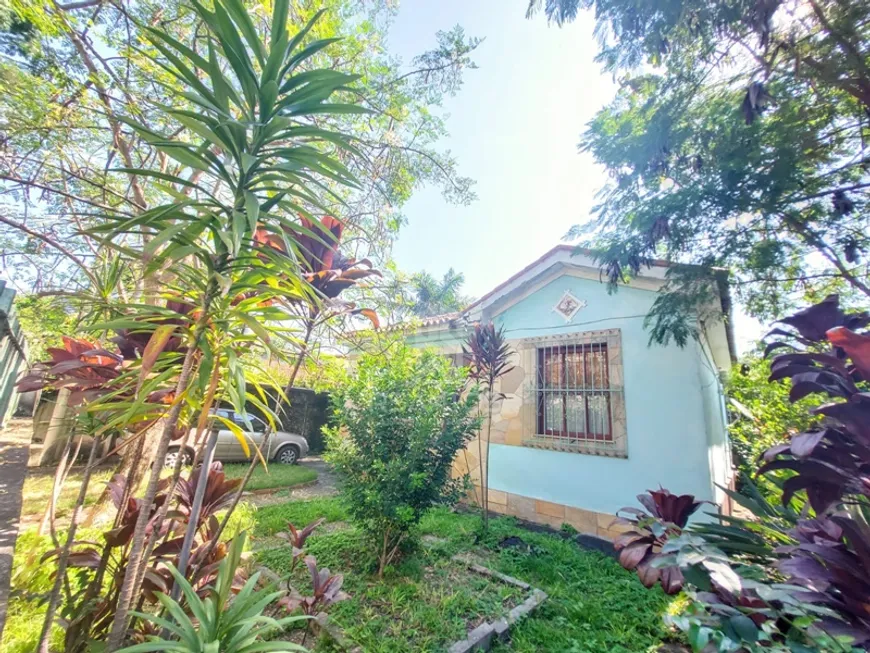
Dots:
{"x": 284, "y": 447}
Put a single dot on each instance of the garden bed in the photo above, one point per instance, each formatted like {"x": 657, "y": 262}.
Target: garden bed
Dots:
{"x": 431, "y": 600}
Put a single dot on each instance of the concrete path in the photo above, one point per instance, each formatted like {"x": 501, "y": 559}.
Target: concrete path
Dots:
{"x": 14, "y": 445}
{"x": 325, "y": 486}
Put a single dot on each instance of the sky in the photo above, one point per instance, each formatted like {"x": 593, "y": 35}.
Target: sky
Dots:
{"x": 514, "y": 128}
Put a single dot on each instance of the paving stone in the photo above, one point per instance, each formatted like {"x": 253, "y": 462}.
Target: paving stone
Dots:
{"x": 501, "y": 629}
{"x": 479, "y": 639}
{"x": 508, "y": 580}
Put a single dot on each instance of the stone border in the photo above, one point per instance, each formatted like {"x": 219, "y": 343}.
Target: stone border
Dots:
{"x": 482, "y": 637}
{"x": 479, "y": 639}
{"x": 274, "y": 490}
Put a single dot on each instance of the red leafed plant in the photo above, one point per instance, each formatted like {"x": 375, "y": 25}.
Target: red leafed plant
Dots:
{"x": 81, "y": 366}
{"x": 90, "y": 612}
{"x": 823, "y": 552}
{"x": 297, "y": 538}
{"x": 327, "y": 270}
{"x": 641, "y": 547}
{"x": 219, "y": 492}
{"x": 326, "y": 590}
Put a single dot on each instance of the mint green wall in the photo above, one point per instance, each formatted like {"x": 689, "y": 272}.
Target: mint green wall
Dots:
{"x": 669, "y": 434}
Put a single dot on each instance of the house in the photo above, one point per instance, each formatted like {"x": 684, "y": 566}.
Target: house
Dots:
{"x": 592, "y": 415}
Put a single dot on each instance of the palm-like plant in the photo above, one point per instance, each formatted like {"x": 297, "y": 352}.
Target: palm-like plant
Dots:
{"x": 247, "y": 156}
{"x": 213, "y": 624}
{"x": 489, "y": 356}
{"x": 434, "y": 297}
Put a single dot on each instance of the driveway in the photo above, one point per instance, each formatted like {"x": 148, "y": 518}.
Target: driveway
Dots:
{"x": 325, "y": 485}
{"x": 14, "y": 445}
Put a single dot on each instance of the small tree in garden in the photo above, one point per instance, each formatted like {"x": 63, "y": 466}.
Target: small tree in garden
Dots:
{"x": 489, "y": 355}
{"x": 796, "y": 576}
{"x": 399, "y": 421}
{"x": 241, "y": 155}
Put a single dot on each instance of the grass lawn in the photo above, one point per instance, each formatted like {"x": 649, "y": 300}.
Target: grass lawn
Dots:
{"x": 277, "y": 476}
{"x": 39, "y": 482}
{"x": 428, "y": 601}
{"x": 37, "y": 488}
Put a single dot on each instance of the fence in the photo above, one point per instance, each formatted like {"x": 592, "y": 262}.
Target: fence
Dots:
{"x": 13, "y": 353}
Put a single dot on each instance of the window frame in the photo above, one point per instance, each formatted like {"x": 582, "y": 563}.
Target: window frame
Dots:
{"x": 531, "y": 436}
{"x": 566, "y": 389}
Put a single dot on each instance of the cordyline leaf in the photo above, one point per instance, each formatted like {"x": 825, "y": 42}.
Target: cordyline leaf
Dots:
{"x": 802, "y": 445}
{"x": 156, "y": 344}
{"x": 856, "y": 346}
{"x": 370, "y": 314}
{"x": 633, "y": 554}
{"x": 814, "y": 322}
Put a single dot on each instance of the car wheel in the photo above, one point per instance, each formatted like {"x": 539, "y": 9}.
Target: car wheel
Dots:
{"x": 288, "y": 455}
{"x": 172, "y": 457}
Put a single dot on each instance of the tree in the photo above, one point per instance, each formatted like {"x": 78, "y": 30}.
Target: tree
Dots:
{"x": 74, "y": 68}
{"x": 762, "y": 416}
{"x": 243, "y": 156}
{"x": 736, "y": 140}
{"x": 433, "y": 297}
{"x": 399, "y": 421}
{"x": 76, "y": 72}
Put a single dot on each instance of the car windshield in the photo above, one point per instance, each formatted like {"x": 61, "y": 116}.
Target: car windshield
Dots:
{"x": 253, "y": 423}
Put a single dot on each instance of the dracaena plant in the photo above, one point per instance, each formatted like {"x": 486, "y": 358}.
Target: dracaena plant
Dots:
{"x": 489, "y": 356}
{"x": 297, "y": 538}
{"x": 101, "y": 567}
{"x": 325, "y": 591}
{"x": 244, "y": 154}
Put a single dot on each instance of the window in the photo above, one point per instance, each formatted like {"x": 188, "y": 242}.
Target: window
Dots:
{"x": 573, "y": 392}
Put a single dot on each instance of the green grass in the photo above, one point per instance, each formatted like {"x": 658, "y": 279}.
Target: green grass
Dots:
{"x": 277, "y": 476}
{"x": 30, "y": 583}
{"x": 424, "y": 603}
{"x": 38, "y": 485}
{"x": 273, "y": 519}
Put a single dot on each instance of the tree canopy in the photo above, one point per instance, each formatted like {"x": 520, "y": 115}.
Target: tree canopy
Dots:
{"x": 73, "y": 72}
{"x": 432, "y": 296}
{"x": 736, "y": 140}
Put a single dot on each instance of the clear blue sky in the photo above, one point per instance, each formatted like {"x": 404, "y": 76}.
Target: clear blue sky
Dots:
{"x": 514, "y": 128}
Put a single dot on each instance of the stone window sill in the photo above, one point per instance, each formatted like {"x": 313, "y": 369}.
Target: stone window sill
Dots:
{"x": 606, "y": 449}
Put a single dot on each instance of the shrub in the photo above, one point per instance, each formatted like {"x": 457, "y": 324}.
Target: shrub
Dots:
{"x": 795, "y": 577}
{"x": 399, "y": 421}
{"x": 762, "y": 416}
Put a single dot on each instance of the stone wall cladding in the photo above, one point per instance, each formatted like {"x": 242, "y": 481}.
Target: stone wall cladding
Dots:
{"x": 550, "y": 514}
{"x": 515, "y": 423}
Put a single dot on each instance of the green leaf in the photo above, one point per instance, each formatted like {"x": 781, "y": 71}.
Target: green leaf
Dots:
{"x": 268, "y": 95}
{"x": 744, "y": 627}
{"x": 184, "y": 155}
{"x": 240, "y": 15}
{"x": 252, "y": 210}
{"x": 236, "y": 431}
{"x": 280, "y": 11}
